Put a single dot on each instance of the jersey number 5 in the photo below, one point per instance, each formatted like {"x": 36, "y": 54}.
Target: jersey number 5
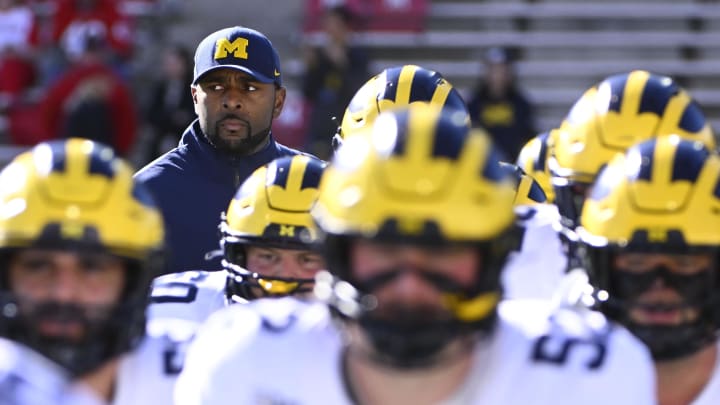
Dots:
{"x": 549, "y": 350}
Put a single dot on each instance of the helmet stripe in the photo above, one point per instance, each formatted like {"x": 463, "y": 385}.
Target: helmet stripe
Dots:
{"x": 405, "y": 85}
{"x": 656, "y": 95}
{"x": 687, "y": 163}
{"x": 281, "y": 170}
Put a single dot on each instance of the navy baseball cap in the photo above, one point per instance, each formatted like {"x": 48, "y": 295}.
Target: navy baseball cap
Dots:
{"x": 238, "y": 48}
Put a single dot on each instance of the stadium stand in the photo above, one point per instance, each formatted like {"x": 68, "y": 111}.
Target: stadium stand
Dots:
{"x": 563, "y": 45}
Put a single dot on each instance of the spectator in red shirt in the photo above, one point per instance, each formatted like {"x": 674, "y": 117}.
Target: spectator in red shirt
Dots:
{"x": 18, "y": 37}
{"x": 91, "y": 101}
{"x": 75, "y": 18}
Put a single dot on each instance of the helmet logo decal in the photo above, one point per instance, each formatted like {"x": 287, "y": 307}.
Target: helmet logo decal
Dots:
{"x": 287, "y": 230}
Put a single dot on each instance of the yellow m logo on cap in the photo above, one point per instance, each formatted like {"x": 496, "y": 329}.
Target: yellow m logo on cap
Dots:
{"x": 238, "y": 48}
{"x": 287, "y": 230}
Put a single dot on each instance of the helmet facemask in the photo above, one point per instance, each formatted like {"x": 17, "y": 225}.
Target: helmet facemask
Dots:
{"x": 243, "y": 284}
{"x": 621, "y": 292}
{"x": 404, "y": 336}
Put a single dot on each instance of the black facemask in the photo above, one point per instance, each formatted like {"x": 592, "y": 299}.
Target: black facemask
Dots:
{"x": 104, "y": 332}
{"x": 411, "y": 336}
{"x": 570, "y": 199}
{"x": 667, "y": 342}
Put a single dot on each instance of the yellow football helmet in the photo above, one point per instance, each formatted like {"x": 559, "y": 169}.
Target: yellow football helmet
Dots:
{"x": 420, "y": 176}
{"x": 609, "y": 118}
{"x": 271, "y": 208}
{"x": 77, "y": 195}
{"x": 77, "y": 192}
{"x": 397, "y": 86}
{"x": 533, "y": 159}
{"x": 662, "y": 197}
{"x": 527, "y": 190}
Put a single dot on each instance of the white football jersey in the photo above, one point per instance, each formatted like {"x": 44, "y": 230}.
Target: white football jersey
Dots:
{"x": 28, "y": 378}
{"x": 190, "y": 295}
{"x": 710, "y": 395}
{"x": 147, "y": 375}
{"x": 288, "y": 352}
{"x": 536, "y": 270}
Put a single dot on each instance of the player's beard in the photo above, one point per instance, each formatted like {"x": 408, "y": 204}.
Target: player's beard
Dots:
{"x": 237, "y": 147}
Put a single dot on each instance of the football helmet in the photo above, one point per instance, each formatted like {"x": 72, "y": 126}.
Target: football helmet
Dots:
{"x": 662, "y": 196}
{"x": 418, "y": 176}
{"x": 272, "y": 209}
{"x": 610, "y": 117}
{"x": 77, "y": 195}
{"x": 397, "y": 86}
{"x": 533, "y": 159}
{"x": 527, "y": 190}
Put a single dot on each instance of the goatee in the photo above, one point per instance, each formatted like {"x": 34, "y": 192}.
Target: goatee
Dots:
{"x": 238, "y": 147}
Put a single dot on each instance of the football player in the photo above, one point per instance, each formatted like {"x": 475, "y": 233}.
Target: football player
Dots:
{"x": 268, "y": 241}
{"x": 401, "y": 86}
{"x": 650, "y": 226}
{"x": 397, "y": 86}
{"x": 418, "y": 220}
{"x": 611, "y": 116}
{"x": 608, "y": 118}
{"x": 80, "y": 242}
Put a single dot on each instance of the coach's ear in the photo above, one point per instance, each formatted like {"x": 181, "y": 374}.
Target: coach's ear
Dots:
{"x": 193, "y": 93}
{"x": 280, "y": 94}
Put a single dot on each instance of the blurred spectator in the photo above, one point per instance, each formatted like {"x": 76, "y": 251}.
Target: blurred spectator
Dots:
{"x": 91, "y": 101}
{"x": 499, "y": 106}
{"x": 18, "y": 37}
{"x": 73, "y": 20}
{"x": 334, "y": 72}
{"x": 171, "y": 107}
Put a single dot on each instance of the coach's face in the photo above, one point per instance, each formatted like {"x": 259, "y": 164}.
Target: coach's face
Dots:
{"x": 235, "y": 110}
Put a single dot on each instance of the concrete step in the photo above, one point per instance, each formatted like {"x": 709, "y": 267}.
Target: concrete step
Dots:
{"x": 566, "y": 68}
{"x": 473, "y": 39}
{"x": 637, "y": 10}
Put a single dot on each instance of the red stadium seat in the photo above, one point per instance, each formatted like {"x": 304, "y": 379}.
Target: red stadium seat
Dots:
{"x": 289, "y": 128}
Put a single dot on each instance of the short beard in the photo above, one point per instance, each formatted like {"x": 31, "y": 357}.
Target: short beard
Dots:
{"x": 244, "y": 147}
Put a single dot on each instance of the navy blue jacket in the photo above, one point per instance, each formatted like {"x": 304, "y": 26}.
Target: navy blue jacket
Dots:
{"x": 193, "y": 184}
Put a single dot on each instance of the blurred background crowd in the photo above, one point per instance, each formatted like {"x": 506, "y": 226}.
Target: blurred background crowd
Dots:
{"x": 118, "y": 71}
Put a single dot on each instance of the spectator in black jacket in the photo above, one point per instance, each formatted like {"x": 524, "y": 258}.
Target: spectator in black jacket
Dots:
{"x": 171, "y": 107}
{"x": 500, "y": 107}
{"x": 335, "y": 70}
